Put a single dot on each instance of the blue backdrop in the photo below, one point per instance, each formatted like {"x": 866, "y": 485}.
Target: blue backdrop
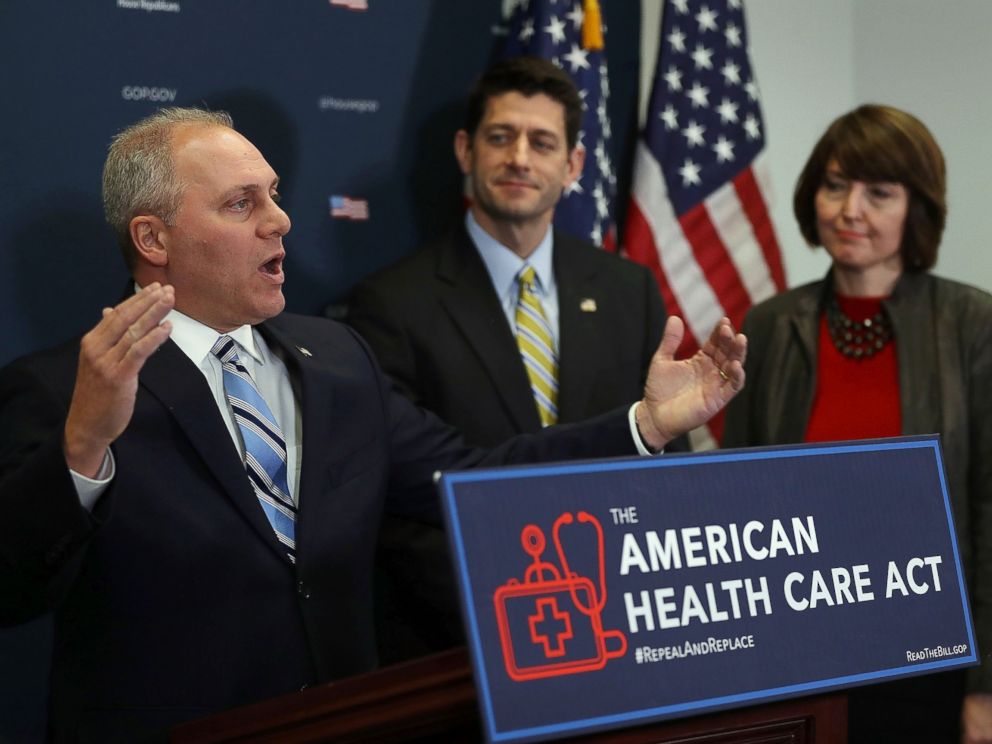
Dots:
{"x": 341, "y": 102}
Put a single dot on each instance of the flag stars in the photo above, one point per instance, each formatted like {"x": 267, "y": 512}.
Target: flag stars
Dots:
{"x": 682, "y": 6}
{"x": 733, "y": 35}
{"x": 728, "y": 111}
{"x": 752, "y": 90}
{"x": 556, "y": 29}
{"x": 577, "y": 58}
{"x": 697, "y": 94}
{"x": 694, "y": 134}
{"x": 724, "y": 149}
{"x": 526, "y": 30}
{"x": 706, "y": 19}
{"x": 513, "y": 6}
{"x": 731, "y": 73}
{"x": 690, "y": 173}
{"x": 701, "y": 56}
{"x": 751, "y": 127}
{"x": 677, "y": 39}
{"x": 673, "y": 78}
{"x": 596, "y": 236}
{"x": 602, "y": 203}
{"x": 602, "y": 159}
{"x": 553, "y": 31}
{"x": 575, "y": 15}
{"x": 670, "y": 118}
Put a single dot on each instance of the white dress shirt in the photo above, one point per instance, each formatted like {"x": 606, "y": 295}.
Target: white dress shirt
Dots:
{"x": 270, "y": 376}
{"x": 504, "y": 265}
{"x": 273, "y": 382}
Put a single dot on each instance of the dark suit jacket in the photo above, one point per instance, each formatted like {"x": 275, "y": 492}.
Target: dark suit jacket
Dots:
{"x": 173, "y": 599}
{"x": 437, "y": 327}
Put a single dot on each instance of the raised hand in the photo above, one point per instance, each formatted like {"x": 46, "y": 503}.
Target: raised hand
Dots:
{"x": 110, "y": 357}
{"x": 681, "y": 395}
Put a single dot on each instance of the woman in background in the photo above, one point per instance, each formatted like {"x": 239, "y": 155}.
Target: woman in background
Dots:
{"x": 880, "y": 347}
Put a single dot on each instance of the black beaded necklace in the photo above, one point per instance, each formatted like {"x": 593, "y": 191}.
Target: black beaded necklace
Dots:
{"x": 857, "y": 339}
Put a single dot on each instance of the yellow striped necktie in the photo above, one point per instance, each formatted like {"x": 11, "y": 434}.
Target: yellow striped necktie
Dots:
{"x": 537, "y": 347}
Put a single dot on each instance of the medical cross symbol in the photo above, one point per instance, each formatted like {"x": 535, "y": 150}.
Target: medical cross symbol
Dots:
{"x": 557, "y": 619}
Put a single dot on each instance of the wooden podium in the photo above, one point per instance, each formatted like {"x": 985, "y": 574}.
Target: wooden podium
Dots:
{"x": 433, "y": 700}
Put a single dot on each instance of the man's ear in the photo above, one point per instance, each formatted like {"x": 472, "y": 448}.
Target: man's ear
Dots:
{"x": 148, "y": 235}
{"x": 573, "y": 166}
{"x": 463, "y": 151}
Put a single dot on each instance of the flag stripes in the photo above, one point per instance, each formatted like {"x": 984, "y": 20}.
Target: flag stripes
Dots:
{"x": 699, "y": 215}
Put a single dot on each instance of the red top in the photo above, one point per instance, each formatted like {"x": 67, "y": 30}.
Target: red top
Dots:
{"x": 855, "y": 399}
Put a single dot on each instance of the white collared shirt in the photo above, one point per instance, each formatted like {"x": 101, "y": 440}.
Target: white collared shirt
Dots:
{"x": 268, "y": 371}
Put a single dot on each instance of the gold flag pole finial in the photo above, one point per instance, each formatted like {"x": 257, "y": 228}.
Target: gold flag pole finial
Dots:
{"x": 592, "y": 26}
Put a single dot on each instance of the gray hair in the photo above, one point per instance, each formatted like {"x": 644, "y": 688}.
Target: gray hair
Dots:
{"x": 139, "y": 176}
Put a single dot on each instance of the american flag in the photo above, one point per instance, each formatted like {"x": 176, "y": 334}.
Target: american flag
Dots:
{"x": 698, "y": 214}
{"x": 344, "y": 207}
{"x": 570, "y": 33}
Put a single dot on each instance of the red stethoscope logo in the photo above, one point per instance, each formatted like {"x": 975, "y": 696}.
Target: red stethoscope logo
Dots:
{"x": 551, "y": 624}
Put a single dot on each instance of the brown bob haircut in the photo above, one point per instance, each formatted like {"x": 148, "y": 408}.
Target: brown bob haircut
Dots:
{"x": 882, "y": 143}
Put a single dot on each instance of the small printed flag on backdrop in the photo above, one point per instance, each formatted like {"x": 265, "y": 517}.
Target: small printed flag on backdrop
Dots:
{"x": 698, "y": 215}
{"x": 359, "y": 5}
{"x": 344, "y": 207}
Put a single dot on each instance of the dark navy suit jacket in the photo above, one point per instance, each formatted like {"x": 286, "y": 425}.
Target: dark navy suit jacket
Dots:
{"x": 438, "y": 329}
{"x": 173, "y": 599}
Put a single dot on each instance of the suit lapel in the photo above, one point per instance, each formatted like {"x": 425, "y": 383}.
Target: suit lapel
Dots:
{"x": 911, "y": 311}
{"x": 178, "y": 385}
{"x": 315, "y": 395}
{"x": 580, "y": 326}
{"x": 466, "y": 292}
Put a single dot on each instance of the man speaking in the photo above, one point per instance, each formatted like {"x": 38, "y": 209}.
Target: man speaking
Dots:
{"x": 194, "y": 486}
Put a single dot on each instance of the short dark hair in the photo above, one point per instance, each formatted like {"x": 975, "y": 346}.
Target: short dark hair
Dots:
{"x": 527, "y": 76}
{"x": 882, "y": 143}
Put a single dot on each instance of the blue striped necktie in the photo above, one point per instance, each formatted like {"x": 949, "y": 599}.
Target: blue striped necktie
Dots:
{"x": 265, "y": 448}
{"x": 537, "y": 347}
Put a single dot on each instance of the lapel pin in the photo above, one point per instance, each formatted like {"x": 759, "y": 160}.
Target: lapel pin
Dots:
{"x": 304, "y": 351}
{"x": 588, "y": 305}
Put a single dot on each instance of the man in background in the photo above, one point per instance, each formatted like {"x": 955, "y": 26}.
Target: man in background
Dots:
{"x": 505, "y": 325}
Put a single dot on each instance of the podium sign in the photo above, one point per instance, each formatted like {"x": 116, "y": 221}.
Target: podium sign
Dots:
{"x": 606, "y": 594}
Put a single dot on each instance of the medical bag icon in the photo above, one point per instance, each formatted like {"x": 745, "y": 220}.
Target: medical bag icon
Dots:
{"x": 551, "y": 624}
